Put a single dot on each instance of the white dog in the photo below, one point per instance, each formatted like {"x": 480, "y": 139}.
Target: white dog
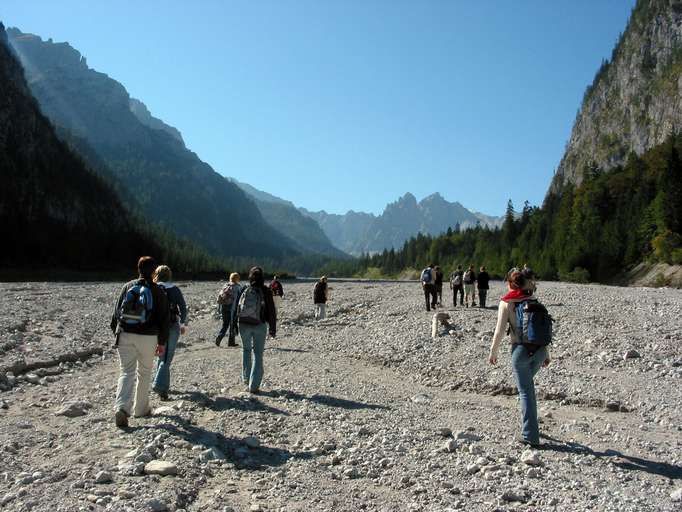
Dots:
{"x": 443, "y": 319}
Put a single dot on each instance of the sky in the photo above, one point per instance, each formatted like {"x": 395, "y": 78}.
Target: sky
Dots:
{"x": 349, "y": 104}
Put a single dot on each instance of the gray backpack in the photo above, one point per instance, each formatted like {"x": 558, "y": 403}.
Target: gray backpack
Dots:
{"x": 251, "y": 306}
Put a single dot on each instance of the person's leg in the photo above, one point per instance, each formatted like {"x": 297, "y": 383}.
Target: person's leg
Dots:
{"x": 483, "y": 295}
{"x": 126, "y": 380}
{"x": 232, "y": 334}
{"x": 434, "y": 297}
{"x": 145, "y": 346}
{"x": 161, "y": 381}
{"x": 426, "y": 298}
{"x": 246, "y": 334}
{"x": 460, "y": 289}
{"x": 317, "y": 311}
{"x": 225, "y": 314}
{"x": 323, "y": 311}
{"x": 454, "y": 297}
{"x": 523, "y": 375}
{"x": 259, "y": 334}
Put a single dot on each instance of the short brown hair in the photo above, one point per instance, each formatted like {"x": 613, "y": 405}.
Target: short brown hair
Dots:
{"x": 146, "y": 266}
{"x": 163, "y": 274}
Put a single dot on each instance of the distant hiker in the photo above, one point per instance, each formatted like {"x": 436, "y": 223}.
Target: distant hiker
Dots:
{"x": 277, "y": 292}
{"x": 483, "y": 286}
{"x": 469, "y": 288}
{"x": 530, "y": 332}
{"x": 428, "y": 281}
{"x": 457, "y": 286}
{"x": 320, "y": 298}
{"x": 178, "y": 322}
{"x": 257, "y": 316}
{"x": 140, "y": 322}
{"x": 439, "y": 284}
{"x": 227, "y": 302}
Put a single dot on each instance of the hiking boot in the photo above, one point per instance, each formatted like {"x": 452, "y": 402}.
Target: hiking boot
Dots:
{"x": 163, "y": 395}
{"x": 254, "y": 391}
{"x": 526, "y": 442}
{"x": 218, "y": 340}
{"x": 121, "y": 419}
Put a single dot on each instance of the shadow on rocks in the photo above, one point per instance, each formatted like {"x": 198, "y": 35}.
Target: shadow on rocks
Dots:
{"x": 280, "y": 349}
{"x": 222, "y": 403}
{"x": 626, "y": 462}
{"x": 235, "y": 449}
{"x": 330, "y": 401}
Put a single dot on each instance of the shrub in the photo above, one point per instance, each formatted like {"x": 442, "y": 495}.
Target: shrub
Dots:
{"x": 577, "y": 275}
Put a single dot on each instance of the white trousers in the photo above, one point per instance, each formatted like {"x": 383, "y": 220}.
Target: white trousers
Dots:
{"x": 320, "y": 311}
{"x": 278, "y": 302}
{"x": 136, "y": 358}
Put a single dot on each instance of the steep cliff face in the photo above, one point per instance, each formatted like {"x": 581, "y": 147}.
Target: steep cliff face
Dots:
{"x": 170, "y": 183}
{"x": 146, "y": 118}
{"x": 54, "y": 212}
{"x": 635, "y": 101}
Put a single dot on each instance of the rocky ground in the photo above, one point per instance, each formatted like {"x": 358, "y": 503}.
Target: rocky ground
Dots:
{"x": 362, "y": 411}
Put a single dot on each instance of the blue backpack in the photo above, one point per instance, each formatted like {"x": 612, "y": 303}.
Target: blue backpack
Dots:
{"x": 426, "y": 278}
{"x": 534, "y": 323}
{"x": 137, "y": 305}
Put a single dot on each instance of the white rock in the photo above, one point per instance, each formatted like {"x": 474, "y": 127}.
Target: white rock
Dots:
{"x": 450, "y": 445}
{"x": 676, "y": 495}
{"x": 531, "y": 457}
{"x": 212, "y": 453}
{"x": 73, "y": 409}
{"x": 473, "y": 468}
{"x": 103, "y": 477}
{"x": 160, "y": 467}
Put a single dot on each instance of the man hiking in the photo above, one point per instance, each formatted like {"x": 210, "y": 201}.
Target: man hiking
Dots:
{"x": 140, "y": 322}
{"x": 320, "y": 298}
{"x": 227, "y": 302}
{"x": 457, "y": 286}
{"x": 439, "y": 284}
{"x": 428, "y": 282}
{"x": 277, "y": 291}
{"x": 483, "y": 286}
{"x": 469, "y": 287}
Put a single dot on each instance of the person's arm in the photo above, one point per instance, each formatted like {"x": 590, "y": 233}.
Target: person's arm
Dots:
{"x": 500, "y": 331}
{"x": 117, "y": 307}
{"x": 271, "y": 313}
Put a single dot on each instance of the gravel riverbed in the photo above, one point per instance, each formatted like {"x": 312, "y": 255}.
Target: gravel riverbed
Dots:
{"x": 361, "y": 411}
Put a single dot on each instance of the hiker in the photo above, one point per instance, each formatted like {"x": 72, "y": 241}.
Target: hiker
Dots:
{"x": 227, "y": 302}
{"x": 439, "y": 285}
{"x": 483, "y": 286}
{"x": 277, "y": 292}
{"x": 256, "y": 315}
{"x": 178, "y": 321}
{"x": 526, "y": 358}
{"x": 320, "y": 298}
{"x": 140, "y": 322}
{"x": 457, "y": 286}
{"x": 469, "y": 282}
{"x": 428, "y": 281}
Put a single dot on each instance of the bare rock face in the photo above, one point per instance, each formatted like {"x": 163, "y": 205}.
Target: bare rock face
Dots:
{"x": 635, "y": 99}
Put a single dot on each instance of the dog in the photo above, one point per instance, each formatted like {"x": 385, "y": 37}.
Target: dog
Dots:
{"x": 443, "y": 319}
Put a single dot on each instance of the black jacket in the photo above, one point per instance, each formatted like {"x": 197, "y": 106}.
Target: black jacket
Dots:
{"x": 483, "y": 279}
{"x": 159, "y": 322}
{"x": 268, "y": 314}
{"x": 320, "y": 293}
{"x": 439, "y": 279}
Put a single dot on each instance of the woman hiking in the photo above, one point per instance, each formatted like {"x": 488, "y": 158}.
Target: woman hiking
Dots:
{"x": 257, "y": 316}
{"x": 526, "y": 360}
{"x": 178, "y": 322}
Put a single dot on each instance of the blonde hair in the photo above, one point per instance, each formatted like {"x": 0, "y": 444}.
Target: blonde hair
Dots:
{"x": 163, "y": 274}
{"x": 234, "y": 277}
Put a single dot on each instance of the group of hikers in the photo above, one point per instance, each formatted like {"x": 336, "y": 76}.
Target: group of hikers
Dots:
{"x": 463, "y": 283}
{"x": 150, "y": 314}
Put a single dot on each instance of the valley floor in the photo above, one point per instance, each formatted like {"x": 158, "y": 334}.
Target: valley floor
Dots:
{"x": 361, "y": 411}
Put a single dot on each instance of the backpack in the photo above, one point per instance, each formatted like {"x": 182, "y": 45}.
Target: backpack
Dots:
{"x": 426, "y": 278}
{"x": 467, "y": 276}
{"x": 456, "y": 279}
{"x": 226, "y": 295}
{"x": 534, "y": 323}
{"x": 251, "y": 306}
{"x": 137, "y": 305}
{"x": 174, "y": 308}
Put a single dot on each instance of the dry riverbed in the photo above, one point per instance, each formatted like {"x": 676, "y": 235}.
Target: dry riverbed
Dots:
{"x": 361, "y": 411}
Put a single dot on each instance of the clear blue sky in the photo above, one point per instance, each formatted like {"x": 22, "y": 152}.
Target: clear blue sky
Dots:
{"x": 349, "y": 104}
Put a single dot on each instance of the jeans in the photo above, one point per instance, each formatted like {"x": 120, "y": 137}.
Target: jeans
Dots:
{"x": 431, "y": 294}
{"x": 227, "y": 327}
{"x": 482, "y": 296}
{"x": 253, "y": 341}
{"x": 320, "y": 311}
{"x": 136, "y": 357}
{"x": 525, "y": 366}
{"x": 162, "y": 371}
{"x": 458, "y": 289}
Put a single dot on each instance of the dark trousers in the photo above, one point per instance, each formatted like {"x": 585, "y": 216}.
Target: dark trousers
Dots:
{"x": 430, "y": 294}
{"x": 227, "y": 327}
{"x": 482, "y": 295}
{"x": 439, "y": 293}
{"x": 458, "y": 289}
